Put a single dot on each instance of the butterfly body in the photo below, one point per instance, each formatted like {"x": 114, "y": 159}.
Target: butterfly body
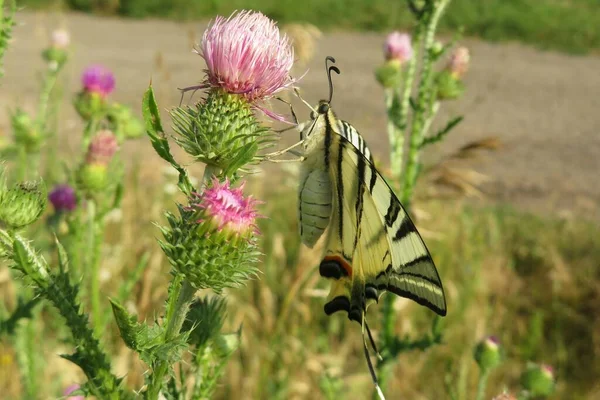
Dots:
{"x": 371, "y": 245}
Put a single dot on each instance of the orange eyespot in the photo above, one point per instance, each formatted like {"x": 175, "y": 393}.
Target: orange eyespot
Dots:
{"x": 342, "y": 265}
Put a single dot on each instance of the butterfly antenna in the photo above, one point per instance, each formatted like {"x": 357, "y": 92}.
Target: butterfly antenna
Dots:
{"x": 373, "y": 345}
{"x": 369, "y": 363}
{"x": 330, "y": 68}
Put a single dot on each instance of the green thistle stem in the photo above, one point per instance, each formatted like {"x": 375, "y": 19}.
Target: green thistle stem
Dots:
{"x": 49, "y": 83}
{"x": 184, "y": 293}
{"x": 92, "y": 267}
{"x": 483, "y": 378}
{"x": 418, "y": 133}
{"x": 425, "y": 109}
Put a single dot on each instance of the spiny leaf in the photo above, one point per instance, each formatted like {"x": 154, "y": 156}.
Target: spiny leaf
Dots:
{"x": 159, "y": 140}
{"x": 23, "y": 311}
{"x": 442, "y": 132}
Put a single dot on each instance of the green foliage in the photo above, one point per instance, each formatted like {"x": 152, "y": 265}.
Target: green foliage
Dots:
{"x": 570, "y": 26}
{"x": 159, "y": 140}
{"x": 22, "y": 311}
{"x": 7, "y": 22}
{"x": 205, "y": 320}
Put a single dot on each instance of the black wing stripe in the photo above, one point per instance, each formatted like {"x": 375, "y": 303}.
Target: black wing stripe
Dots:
{"x": 392, "y": 211}
{"x": 361, "y": 171}
{"x": 405, "y": 228}
{"x": 420, "y": 300}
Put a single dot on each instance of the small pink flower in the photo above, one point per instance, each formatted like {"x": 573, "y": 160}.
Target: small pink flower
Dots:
{"x": 398, "y": 47}
{"x": 60, "y": 38}
{"x": 227, "y": 208}
{"x": 459, "y": 62}
{"x": 98, "y": 79}
{"x": 245, "y": 55}
{"x": 547, "y": 370}
{"x": 71, "y": 389}
{"x": 492, "y": 342}
{"x": 63, "y": 198}
{"x": 102, "y": 148}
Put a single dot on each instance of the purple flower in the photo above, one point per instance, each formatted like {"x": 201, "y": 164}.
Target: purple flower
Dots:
{"x": 246, "y": 55}
{"x": 63, "y": 198}
{"x": 102, "y": 148}
{"x": 398, "y": 47}
{"x": 71, "y": 389}
{"x": 227, "y": 209}
{"x": 459, "y": 62}
{"x": 98, "y": 79}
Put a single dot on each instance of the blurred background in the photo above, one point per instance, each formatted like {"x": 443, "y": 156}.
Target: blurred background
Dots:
{"x": 513, "y": 230}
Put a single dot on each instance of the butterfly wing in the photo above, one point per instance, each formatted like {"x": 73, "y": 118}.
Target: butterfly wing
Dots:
{"x": 372, "y": 243}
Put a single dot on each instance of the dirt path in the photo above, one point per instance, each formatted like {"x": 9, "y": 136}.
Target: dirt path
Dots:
{"x": 544, "y": 106}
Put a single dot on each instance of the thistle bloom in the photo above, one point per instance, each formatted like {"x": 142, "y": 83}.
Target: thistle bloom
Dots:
{"x": 98, "y": 79}
{"x": 102, "y": 148}
{"x": 227, "y": 209}
{"x": 398, "y": 47}
{"x": 63, "y": 198}
{"x": 60, "y": 38}
{"x": 459, "y": 62}
{"x": 246, "y": 55}
{"x": 70, "y": 389}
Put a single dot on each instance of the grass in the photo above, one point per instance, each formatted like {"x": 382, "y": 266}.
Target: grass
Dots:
{"x": 531, "y": 281}
{"x": 567, "y": 25}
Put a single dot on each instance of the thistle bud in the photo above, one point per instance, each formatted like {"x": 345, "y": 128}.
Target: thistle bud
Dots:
{"x": 212, "y": 242}
{"x": 56, "y": 54}
{"x": 388, "y": 74}
{"x": 26, "y": 133}
{"x": 487, "y": 353}
{"x": 125, "y": 125}
{"x": 102, "y": 148}
{"x": 227, "y": 344}
{"x": 538, "y": 380}
{"x": 93, "y": 177}
{"x": 22, "y": 204}
{"x": 89, "y": 105}
{"x": 448, "y": 87}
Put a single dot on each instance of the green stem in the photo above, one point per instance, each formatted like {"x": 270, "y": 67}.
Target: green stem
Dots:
{"x": 183, "y": 292}
{"x": 483, "y": 377}
{"x": 44, "y": 100}
{"x": 417, "y": 133}
{"x": 91, "y": 266}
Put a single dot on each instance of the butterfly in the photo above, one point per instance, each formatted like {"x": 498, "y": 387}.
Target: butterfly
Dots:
{"x": 371, "y": 244}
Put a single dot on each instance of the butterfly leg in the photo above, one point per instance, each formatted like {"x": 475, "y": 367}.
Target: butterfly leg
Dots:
{"x": 369, "y": 363}
{"x": 280, "y": 152}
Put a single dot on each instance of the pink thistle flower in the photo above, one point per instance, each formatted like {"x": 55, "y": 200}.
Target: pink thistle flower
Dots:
{"x": 459, "y": 62}
{"x": 60, "y": 38}
{"x": 227, "y": 209}
{"x": 98, "y": 79}
{"x": 102, "y": 148}
{"x": 246, "y": 55}
{"x": 398, "y": 47}
{"x": 63, "y": 198}
{"x": 70, "y": 389}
